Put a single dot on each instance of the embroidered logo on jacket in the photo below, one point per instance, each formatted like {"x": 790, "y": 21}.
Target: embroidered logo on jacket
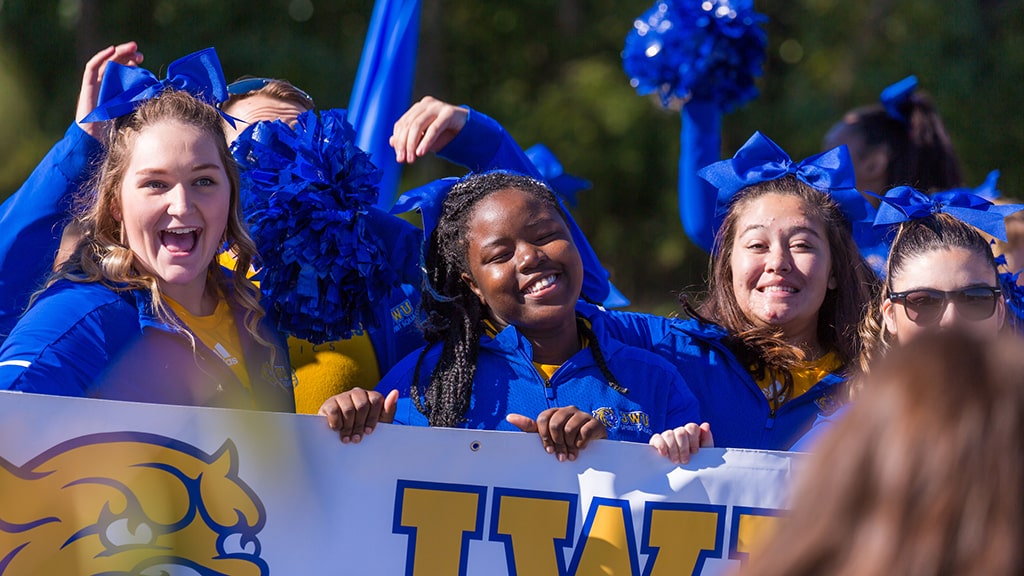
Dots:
{"x": 636, "y": 420}
{"x": 402, "y": 315}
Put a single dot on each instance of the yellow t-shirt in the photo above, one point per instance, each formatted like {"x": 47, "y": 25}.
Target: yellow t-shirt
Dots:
{"x": 323, "y": 370}
{"x": 220, "y": 334}
{"x": 804, "y": 377}
{"x": 546, "y": 371}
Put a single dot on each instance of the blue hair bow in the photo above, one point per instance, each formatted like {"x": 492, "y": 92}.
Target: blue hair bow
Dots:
{"x": 761, "y": 160}
{"x": 1013, "y": 294}
{"x": 124, "y": 88}
{"x": 427, "y": 199}
{"x": 896, "y": 95}
{"x": 986, "y": 189}
{"x": 904, "y": 203}
{"x": 562, "y": 183}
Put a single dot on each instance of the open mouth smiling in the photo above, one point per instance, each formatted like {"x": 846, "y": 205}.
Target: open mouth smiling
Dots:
{"x": 180, "y": 240}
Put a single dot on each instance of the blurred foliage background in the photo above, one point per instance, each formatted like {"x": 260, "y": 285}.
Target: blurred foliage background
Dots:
{"x": 550, "y": 71}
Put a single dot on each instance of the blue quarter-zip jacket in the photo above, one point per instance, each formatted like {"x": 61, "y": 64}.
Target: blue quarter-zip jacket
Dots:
{"x": 507, "y": 382}
{"x": 84, "y": 339}
{"x": 730, "y": 400}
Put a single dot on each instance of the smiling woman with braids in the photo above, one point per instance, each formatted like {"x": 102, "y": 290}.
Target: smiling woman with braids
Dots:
{"x": 509, "y": 347}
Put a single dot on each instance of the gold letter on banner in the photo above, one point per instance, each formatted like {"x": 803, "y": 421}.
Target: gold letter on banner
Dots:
{"x": 750, "y": 527}
{"x": 535, "y": 527}
{"x": 607, "y": 544}
{"x": 440, "y": 520}
{"x": 680, "y": 537}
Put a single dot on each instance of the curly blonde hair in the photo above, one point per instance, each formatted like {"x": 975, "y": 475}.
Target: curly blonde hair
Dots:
{"x": 100, "y": 255}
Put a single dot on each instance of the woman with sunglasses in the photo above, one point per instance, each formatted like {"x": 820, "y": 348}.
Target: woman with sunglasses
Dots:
{"x": 940, "y": 275}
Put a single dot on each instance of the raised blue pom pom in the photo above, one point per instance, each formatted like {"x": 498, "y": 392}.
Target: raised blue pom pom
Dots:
{"x": 306, "y": 189}
{"x": 709, "y": 50}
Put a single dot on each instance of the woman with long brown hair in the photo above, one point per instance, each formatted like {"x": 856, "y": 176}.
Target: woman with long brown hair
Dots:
{"x": 770, "y": 346}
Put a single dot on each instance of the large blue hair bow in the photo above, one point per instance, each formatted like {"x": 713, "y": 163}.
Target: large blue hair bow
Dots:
{"x": 124, "y": 88}
{"x": 904, "y": 203}
{"x": 761, "y": 160}
{"x": 896, "y": 95}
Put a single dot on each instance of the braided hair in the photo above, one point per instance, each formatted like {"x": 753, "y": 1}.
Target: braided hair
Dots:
{"x": 450, "y": 313}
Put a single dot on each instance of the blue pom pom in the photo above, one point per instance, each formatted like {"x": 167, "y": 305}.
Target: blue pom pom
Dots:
{"x": 305, "y": 192}
{"x": 709, "y": 50}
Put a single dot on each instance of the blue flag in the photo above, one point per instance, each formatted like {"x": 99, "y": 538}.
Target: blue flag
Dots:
{"x": 383, "y": 87}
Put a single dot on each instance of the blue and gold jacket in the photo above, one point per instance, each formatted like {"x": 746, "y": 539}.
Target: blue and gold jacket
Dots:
{"x": 730, "y": 400}
{"x": 85, "y": 339}
{"x": 507, "y": 382}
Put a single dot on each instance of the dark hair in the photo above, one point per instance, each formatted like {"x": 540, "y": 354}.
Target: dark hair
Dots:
{"x": 450, "y": 313}
{"x": 764, "y": 347}
{"x": 914, "y": 238}
{"x": 922, "y": 477}
{"x": 920, "y": 151}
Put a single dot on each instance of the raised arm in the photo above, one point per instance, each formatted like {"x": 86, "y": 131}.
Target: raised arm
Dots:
{"x": 33, "y": 218}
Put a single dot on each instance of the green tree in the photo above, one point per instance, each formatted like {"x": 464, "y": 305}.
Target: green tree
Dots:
{"x": 551, "y": 72}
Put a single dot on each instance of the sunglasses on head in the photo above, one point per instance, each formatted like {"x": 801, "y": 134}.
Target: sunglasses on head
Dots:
{"x": 247, "y": 85}
{"x": 926, "y": 306}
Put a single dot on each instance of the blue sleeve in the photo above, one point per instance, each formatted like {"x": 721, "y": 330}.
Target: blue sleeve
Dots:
{"x": 483, "y": 145}
{"x": 31, "y": 221}
{"x": 683, "y": 405}
{"x": 700, "y": 145}
{"x": 396, "y": 334}
{"x": 54, "y": 351}
{"x": 402, "y": 242}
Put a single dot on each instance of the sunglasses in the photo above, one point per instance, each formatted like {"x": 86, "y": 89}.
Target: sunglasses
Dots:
{"x": 247, "y": 85}
{"x": 926, "y": 306}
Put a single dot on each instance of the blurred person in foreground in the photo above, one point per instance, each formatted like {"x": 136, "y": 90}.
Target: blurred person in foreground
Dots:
{"x": 924, "y": 475}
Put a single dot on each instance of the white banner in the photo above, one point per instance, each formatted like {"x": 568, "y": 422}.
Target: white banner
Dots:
{"x": 102, "y": 487}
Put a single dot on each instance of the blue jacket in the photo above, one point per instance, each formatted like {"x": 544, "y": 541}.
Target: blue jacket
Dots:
{"x": 84, "y": 339}
{"x": 730, "y": 399}
{"x": 507, "y": 382}
{"x": 31, "y": 221}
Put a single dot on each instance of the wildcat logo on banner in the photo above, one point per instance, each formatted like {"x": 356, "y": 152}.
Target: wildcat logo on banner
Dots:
{"x": 99, "y": 487}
